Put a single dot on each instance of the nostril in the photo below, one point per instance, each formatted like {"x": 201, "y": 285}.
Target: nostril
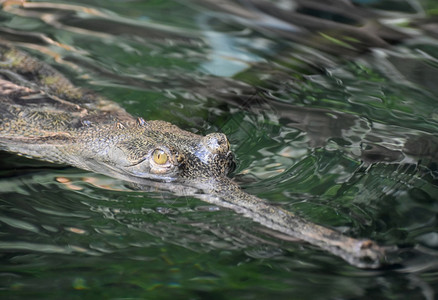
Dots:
{"x": 216, "y": 143}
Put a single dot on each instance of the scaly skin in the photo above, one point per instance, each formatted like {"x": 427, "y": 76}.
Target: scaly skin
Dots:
{"x": 43, "y": 116}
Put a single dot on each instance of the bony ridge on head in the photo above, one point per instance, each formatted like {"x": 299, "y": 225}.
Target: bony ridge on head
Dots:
{"x": 141, "y": 122}
{"x": 216, "y": 143}
{"x": 215, "y": 154}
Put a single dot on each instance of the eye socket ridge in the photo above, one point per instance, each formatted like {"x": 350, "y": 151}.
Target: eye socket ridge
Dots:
{"x": 160, "y": 157}
{"x": 164, "y": 160}
{"x": 157, "y": 162}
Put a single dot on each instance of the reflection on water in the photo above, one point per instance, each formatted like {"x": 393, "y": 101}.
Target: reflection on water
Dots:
{"x": 330, "y": 108}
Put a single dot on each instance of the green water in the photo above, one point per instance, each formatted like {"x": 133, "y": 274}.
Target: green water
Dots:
{"x": 336, "y": 130}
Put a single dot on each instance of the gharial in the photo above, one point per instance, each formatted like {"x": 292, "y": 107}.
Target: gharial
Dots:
{"x": 43, "y": 116}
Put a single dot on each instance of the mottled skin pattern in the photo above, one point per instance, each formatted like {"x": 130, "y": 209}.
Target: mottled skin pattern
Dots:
{"x": 43, "y": 116}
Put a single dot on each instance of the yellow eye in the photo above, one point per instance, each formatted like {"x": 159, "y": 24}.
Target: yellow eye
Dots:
{"x": 160, "y": 157}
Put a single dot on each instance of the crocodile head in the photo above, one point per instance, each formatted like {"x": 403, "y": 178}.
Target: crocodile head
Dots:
{"x": 160, "y": 150}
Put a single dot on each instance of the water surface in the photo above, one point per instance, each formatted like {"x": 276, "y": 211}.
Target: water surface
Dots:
{"x": 328, "y": 122}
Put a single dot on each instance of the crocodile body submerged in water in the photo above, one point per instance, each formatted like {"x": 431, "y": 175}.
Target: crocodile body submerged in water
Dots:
{"x": 43, "y": 116}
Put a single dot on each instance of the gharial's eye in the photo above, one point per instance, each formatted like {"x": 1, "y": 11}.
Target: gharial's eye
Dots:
{"x": 160, "y": 157}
